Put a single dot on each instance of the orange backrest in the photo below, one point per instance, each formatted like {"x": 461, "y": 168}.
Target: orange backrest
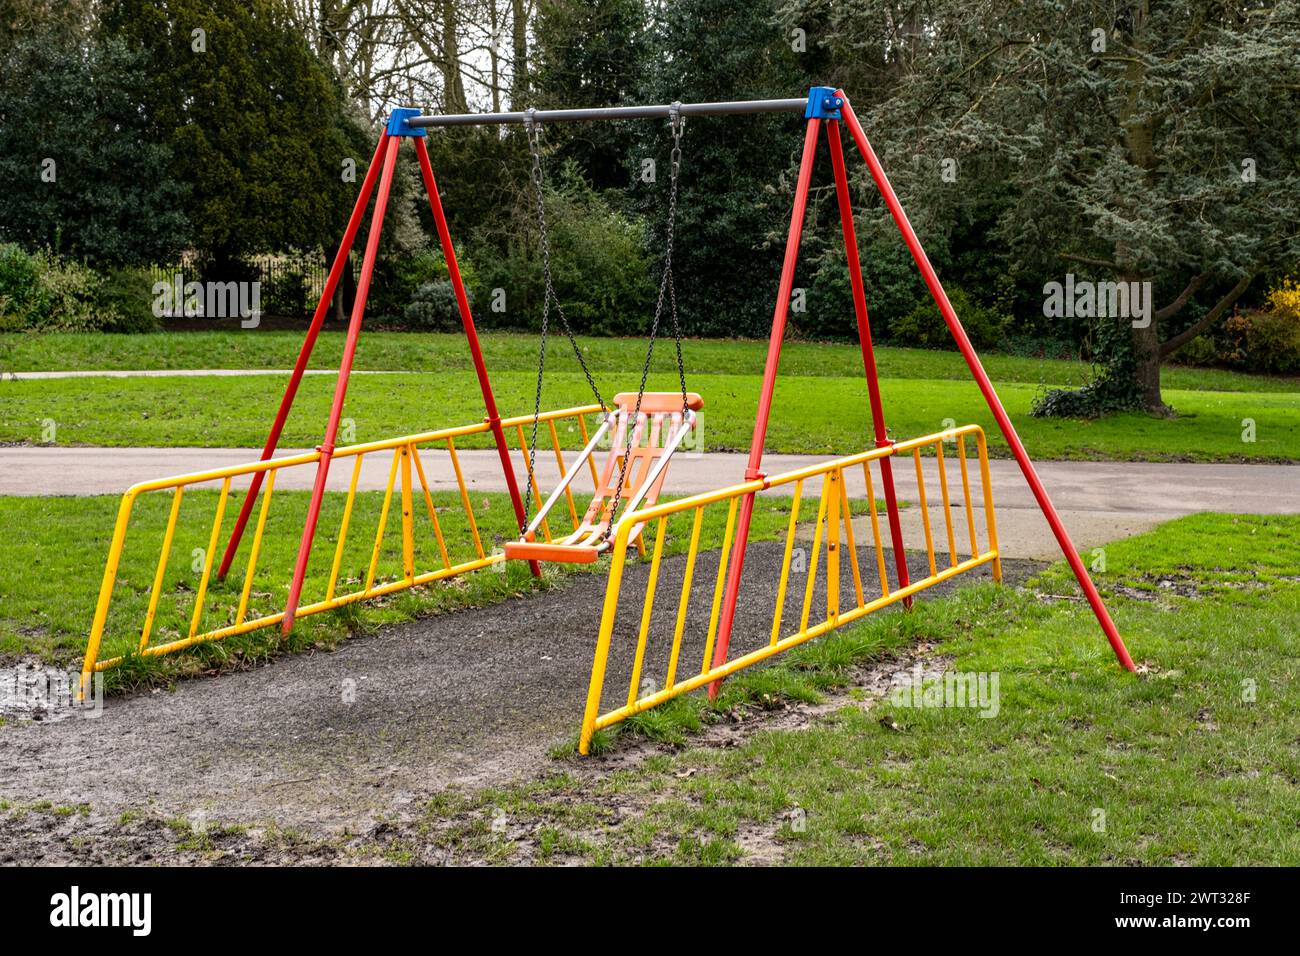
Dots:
{"x": 653, "y": 426}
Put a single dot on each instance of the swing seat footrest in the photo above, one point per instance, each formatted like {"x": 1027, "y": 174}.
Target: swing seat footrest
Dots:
{"x": 541, "y": 551}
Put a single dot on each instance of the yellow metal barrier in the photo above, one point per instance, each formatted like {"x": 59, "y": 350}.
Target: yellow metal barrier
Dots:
{"x": 832, "y": 535}
{"x": 405, "y": 469}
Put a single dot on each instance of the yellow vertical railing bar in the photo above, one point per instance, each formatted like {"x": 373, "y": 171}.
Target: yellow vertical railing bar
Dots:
{"x": 646, "y": 611}
{"x": 383, "y": 520}
{"x": 591, "y": 459}
{"x": 256, "y": 549}
{"x": 343, "y": 529}
{"x": 559, "y": 461}
{"x": 408, "y": 518}
{"x": 162, "y": 567}
{"x": 691, "y": 552}
{"x": 849, "y": 541}
{"x": 718, "y": 585}
{"x": 607, "y": 615}
{"x": 965, "y": 490}
{"x": 779, "y": 611}
{"x": 925, "y": 510}
{"x": 875, "y": 529}
{"x": 947, "y": 502}
{"x": 464, "y": 497}
{"x": 813, "y": 557}
{"x": 836, "y": 480}
{"x": 105, "y": 592}
{"x": 991, "y": 525}
{"x": 209, "y": 557}
{"x": 532, "y": 479}
{"x": 433, "y": 512}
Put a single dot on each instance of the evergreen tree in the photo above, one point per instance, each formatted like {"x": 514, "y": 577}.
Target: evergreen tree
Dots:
{"x": 255, "y": 122}
{"x": 1133, "y": 142}
{"x": 85, "y": 175}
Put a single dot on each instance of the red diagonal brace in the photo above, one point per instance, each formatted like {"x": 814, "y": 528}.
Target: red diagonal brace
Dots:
{"x": 471, "y": 334}
{"x": 304, "y": 354}
{"x": 341, "y": 387}
{"x": 985, "y": 386}
{"x": 868, "y": 352}
{"x": 753, "y": 471}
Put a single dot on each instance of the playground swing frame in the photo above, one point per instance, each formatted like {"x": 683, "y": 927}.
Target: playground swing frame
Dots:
{"x": 824, "y": 107}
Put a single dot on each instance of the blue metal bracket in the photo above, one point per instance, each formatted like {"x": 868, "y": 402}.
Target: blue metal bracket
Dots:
{"x": 823, "y": 103}
{"x": 398, "y": 125}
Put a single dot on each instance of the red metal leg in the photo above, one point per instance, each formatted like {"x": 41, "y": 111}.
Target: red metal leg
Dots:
{"x": 753, "y": 471}
{"x": 317, "y": 320}
{"x": 471, "y": 333}
{"x": 985, "y": 386}
{"x": 868, "y": 352}
{"x": 341, "y": 388}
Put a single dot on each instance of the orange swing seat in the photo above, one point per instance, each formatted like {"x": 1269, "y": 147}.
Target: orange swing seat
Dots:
{"x": 661, "y": 426}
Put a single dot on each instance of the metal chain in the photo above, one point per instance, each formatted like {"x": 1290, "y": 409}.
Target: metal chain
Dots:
{"x": 666, "y": 287}
{"x": 533, "y": 131}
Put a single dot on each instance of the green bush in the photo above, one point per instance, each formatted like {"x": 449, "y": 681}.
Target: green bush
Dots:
{"x": 924, "y": 325}
{"x": 893, "y": 290}
{"x": 599, "y": 265}
{"x": 1202, "y": 350}
{"x": 1264, "y": 341}
{"x": 433, "y": 308}
{"x": 43, "y": 293}
{"x": 125, "y": 300}
{"x": 397, "y": 280}
{"x": 286, "y": 293}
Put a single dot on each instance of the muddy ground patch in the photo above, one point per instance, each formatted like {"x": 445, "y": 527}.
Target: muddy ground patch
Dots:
{"x": 301, "y": 758}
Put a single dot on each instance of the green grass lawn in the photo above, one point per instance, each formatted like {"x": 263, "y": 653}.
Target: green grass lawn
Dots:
{"x": 1194, "y": 762}
{"x": 812, "y": 414}
{"x": 512, "y": 352}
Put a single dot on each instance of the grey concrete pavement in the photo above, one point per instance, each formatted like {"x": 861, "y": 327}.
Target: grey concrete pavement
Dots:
{"x": 181, "y": 372}
{"x": 1099, "y": 501}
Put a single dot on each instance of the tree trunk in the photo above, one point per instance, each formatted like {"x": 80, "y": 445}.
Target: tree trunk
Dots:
{"x": 519, "y": 88}
{"x": 453, "y": 91}
{"x": 1139, "y": 140}
{"x": 494, "y": 54}
{"x": 1146, "y": 353}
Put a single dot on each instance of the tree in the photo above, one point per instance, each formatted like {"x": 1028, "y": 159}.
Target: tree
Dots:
{"x": 735, "y": 198}
{"x": 1142, "y": 143}
{"x": 85, "y": 174}
{"x": 256, "y": 123}
{"x": 590, "y": 53}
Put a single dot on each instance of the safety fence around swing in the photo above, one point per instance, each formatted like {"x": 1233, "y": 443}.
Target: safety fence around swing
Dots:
{"x": 160, "y": 594}
{"x": 654, "y": 645}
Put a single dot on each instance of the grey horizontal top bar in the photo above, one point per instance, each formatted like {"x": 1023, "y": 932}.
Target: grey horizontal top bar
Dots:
{"x": 615, "y": 113}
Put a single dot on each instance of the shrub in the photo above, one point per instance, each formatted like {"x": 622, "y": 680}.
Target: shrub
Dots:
{"x": 286, "y": 293}
{"x": 1284, "y": 299}
{"x": 1265, "y": 341}
{"x": 41, "y": 292}
{"x": 433, "y": 308}
{"x": 924, "y": 325}
{"x": 125, "y": 301}
{"x": 1202, "y": 350}
{"x": 396, "y": 281}
{"x": 599, "y": 266}
{"x": 893, "y": 289}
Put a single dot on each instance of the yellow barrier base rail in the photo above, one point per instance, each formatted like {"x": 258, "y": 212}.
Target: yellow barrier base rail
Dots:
{"x": 833, "y": 540}
{"x": 407, "y": 481}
